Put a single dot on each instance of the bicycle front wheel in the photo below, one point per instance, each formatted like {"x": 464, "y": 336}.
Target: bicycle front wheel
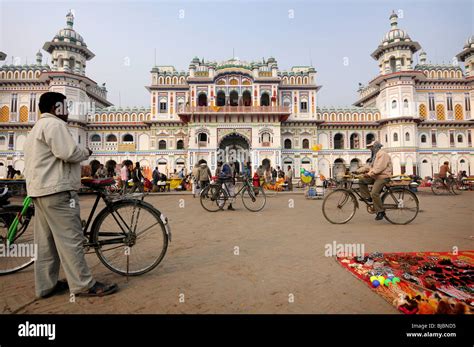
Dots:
{"x": 254, "y": 198}
{"x": 456, "y": 187}
{"x": 339, "y": 206}
{"x": 22, "y": 251}
{"x": 213, "y": 198}
{"x": 401, "y": 206}
{"x": 130, "y": 237}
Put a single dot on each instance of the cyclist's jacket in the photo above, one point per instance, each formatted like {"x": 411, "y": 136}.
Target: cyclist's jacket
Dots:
{"x": 204, "y": 173}
{"x": 52, "y": 158}
{"x": 226, "y": 171}
{"x": 382, "y": 167}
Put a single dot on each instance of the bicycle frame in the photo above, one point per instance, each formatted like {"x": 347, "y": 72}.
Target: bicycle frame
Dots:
{"x": 244, "y": 185}
{"x": 100, "y": 195}
{"x": 384, "y": 189}
{"x": 26, "y": 211}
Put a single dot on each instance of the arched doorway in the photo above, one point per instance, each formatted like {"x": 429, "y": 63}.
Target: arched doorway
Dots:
{"x": 202, "y": 99}
{"x": 179, "y": 164}
{"x": 425, "y": 169}
{"x": 339, "y": 169}
{"x": 463, "y": 166}
{"x": 369, "y": 138}
{"x": 265, "y": 100}
{"x": 234, "y": 148}
{"x": 234, "y": 98}
{"x": 220, "y": 98}
{"x": 247, "y": 98}
{"x": 338, "y": 141}
{"x": 354, "y": 141}
{"x": 287, "y": 162}
{"x": 355, "y": 163}
{"x": 306, "y": 164}
{"x": 266, "y": 163}
{"x": 162, "y": 166}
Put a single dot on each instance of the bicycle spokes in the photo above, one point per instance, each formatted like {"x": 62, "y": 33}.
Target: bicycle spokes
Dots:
{"x": 131, "y": 239}
{"x": 401, "y": 206}
{"x": 339, "y": 206}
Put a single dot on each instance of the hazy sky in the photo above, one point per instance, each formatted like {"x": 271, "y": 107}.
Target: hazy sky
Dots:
{"x": 294, "y": 32}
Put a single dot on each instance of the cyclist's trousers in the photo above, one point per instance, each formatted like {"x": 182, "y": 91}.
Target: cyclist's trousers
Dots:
{"x": 58, "y": 234}
{"x": 375, "y": 193}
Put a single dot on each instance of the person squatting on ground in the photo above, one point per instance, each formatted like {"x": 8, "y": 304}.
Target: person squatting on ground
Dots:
{"x": 378, "y": 173}
{"x": 52, "y": 170}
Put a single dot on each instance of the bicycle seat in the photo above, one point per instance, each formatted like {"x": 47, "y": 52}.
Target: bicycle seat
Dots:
{"x": 97, "y": 182}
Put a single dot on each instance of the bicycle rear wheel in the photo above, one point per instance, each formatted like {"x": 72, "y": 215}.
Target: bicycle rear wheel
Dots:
{"x": 22, "y": 252}
{"x": 438, "y": 187}
{"x": 339, "y": 206}
{"x": 213, "y": 198}
{"x": 401, "y": 205}
{"x": 130, "y": 237}
{"x": 254, "y": 198}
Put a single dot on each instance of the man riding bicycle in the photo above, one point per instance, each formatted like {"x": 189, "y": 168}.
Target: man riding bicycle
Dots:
{"x": 378, "y": 173}
{"x": 443, "y": 172}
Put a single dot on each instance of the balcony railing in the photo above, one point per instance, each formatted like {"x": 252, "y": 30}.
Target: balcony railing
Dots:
{"x": 234, "y": 109}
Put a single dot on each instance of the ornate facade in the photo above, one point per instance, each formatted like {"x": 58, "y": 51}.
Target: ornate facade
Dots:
{"x": 421, "y": 113}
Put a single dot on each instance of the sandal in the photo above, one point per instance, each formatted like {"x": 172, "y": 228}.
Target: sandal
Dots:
{"x": 60, "y": 287}
{"x": 100, "y": 289}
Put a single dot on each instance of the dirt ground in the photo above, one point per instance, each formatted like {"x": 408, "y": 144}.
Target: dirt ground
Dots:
{"x": 281, "y": 257}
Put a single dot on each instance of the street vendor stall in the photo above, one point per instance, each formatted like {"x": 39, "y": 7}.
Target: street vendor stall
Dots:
{"x": 174, "y": 183}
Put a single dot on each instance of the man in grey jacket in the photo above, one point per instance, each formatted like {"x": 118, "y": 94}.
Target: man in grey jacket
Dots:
{"x": 53, "y": 176}
{"x": 377, "y": 173}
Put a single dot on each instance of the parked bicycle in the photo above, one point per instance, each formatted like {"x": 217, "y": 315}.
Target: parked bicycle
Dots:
{"x": 129, "y": 236}
{"x": 215, "y": 196}
{"x": 400, "y": 203}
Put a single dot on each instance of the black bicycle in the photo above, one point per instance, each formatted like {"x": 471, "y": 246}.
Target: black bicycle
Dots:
{"x": 114, "y": 233}
{"x": 448, "y": 185}
{"x": 400, "y": 203}
{"x": 215, "y": 196}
